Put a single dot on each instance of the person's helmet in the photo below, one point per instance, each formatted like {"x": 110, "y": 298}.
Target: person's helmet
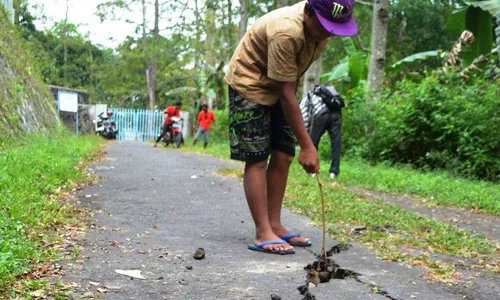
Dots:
{"x": 109, "y": 113}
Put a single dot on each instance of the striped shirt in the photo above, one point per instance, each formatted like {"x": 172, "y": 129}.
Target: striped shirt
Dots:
{"x": 311, "y": 106}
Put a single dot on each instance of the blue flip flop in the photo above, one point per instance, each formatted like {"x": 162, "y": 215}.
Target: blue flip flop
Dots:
{"x": 290, "y": 236}
{"x": 260, "y": 247}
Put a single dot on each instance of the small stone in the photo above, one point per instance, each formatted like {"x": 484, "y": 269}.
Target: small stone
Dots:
{"x": 311, "y": 285}
{"x": 199, "y": 254}
{"x": 275, "y": 297}
{"x": 189, "y": 267}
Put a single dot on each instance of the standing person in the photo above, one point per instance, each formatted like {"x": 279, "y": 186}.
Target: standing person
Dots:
{"x": 264, "y": 114}
{"x": 205, "y": 120}
{"x": 322, "y": 111}
{"x": 169, "y": 113}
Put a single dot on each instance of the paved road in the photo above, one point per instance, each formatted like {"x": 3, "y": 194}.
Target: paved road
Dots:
{"x": 148, "y": 202}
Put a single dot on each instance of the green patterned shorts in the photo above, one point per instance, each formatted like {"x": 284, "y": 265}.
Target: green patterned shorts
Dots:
{"x": 255, "y": 130}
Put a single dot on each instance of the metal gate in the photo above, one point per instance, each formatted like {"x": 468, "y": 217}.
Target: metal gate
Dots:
{"x": 137, "y": 124}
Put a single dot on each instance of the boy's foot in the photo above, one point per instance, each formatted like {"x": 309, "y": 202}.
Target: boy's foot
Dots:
{"x": 292, "y": 238}
{"x": 332, "y": 175}
{"x": 261, "y": 247}
{"x": 275, "y": 246}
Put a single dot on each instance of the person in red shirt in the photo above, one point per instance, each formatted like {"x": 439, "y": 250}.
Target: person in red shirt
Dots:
{"x": 205, "y": 120}
{"x": 169, "y": 113}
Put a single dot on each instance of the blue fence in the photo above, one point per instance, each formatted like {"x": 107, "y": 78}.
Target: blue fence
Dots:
{"x": 137, "y": 124}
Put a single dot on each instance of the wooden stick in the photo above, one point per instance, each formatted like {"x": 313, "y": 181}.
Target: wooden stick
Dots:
{"x": 323, "y": 249}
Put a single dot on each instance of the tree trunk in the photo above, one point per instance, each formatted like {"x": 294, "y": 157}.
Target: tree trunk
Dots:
{"x": 379, "y": 44}
{"x": 145, "y": 45}
{"x": 230, "y": 24}
{"x": 65, "y": 46}
{"x": 243, "y": 19}
{"x": 312, "y": 76}
{"x": 153, "y": 70}
{"x": 197, "y": 42}
{"x": 282, "y": 3}
{"x": 497, "y": 30}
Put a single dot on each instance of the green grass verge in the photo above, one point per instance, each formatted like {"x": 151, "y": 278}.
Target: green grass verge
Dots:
{"x": 389, "y": 226}
{"x": 439, "y": 188}
{"x": 31, "y": 172}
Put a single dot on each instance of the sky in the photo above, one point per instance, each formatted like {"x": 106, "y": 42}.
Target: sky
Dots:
{"x": 83, "y": 12}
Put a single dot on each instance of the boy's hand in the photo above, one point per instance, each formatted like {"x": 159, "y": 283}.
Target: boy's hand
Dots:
{"x": 308, "y": 159}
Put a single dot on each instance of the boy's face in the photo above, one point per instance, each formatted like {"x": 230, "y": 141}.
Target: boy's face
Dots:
{"x": 317, "y": 31}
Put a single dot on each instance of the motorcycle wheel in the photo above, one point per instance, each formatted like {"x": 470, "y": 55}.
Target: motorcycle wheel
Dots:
{"x": 177, "y": 140}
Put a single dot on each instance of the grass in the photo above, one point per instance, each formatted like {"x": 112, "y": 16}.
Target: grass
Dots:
{"x": 33, "y": 172}
{"x": 438, "y": 188}
{"x": 390, "y": 227}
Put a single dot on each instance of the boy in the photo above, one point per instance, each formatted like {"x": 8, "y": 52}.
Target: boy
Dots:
{"x": 205, "y": 120}
{"x": 264, "y": 114}
{"x": 322, "y": 111}
{"x": 169, "y": 113}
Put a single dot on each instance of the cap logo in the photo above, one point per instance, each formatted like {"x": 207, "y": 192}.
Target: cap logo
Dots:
{"x": 337, "y": 9}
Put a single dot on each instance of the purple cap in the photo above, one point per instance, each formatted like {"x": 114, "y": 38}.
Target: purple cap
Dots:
{"x": 336, "y": 16}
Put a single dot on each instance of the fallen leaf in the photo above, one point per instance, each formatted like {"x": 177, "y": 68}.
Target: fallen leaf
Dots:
{"x": 115, "y": 244}
{"x": 143, "y": 252}
{"x": 155, "y": 226}
{"x": 112, "y": 287}
{"x": 102, "y": 291}
{"x": 69, "y": 285}
{"x": 94, "y": 283}
{"x": 131, "y": 273}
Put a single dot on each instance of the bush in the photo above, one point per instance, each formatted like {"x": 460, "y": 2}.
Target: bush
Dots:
{"x": 220, "y": 132}
{"x": 440, "y": 122}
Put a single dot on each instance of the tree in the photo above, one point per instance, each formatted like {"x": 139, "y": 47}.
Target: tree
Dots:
{"x": 243, "y": 19}
{"x": 379, "y": 44}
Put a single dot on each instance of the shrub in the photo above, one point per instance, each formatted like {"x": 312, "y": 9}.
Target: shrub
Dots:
{"x": 439, "y": 122}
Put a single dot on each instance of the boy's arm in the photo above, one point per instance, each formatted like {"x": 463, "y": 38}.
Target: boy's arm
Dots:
{"x": 308, "y": 156}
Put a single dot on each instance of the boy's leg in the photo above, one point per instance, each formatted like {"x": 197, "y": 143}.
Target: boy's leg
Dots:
{"x": 319, "y": 128}
{"x": 283, "y": 150}
{"x": 335, "y": 132}
{"x": 162, "y": 134}
{"x": 249, "y": 127}
{"x": 197, "y": 136}
{"x": 254, "y": 183}
{"x": 206, "y": 137}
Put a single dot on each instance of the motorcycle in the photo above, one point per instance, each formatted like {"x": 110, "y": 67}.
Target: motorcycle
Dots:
{"x": 105, "y": 126}
{"x": 175, "y": 135}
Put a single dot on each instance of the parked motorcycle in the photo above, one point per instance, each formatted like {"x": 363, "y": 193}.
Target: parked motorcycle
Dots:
{"x": 175, "y": 136}
{"x": 105, "y": 126}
